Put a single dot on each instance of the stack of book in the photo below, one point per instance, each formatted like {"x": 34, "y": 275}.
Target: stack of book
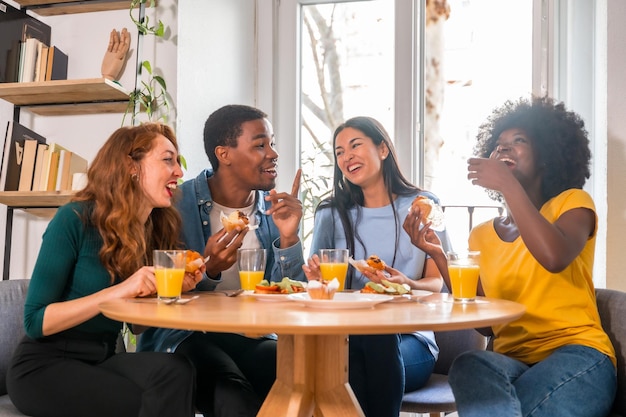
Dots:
{"x": 29, "y": 163}
{"x": 25, "y": 51}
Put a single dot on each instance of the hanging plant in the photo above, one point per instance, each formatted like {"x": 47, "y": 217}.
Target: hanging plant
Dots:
{"x": 142, "y": 22}
{"x": 150, "y": 97}
{"x": 150, "y": 94}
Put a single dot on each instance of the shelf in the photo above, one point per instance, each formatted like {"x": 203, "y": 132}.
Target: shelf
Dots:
{"x": 67, "y": 97}
{"x": 59, "y": 7}
{"x": 35, "y": 199}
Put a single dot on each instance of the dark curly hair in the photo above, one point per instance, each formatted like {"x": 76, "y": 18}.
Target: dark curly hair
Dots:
{"x": 558, "y": 136}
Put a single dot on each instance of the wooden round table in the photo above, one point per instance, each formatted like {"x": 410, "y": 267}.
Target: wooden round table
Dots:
{"x": 312, "y": 356}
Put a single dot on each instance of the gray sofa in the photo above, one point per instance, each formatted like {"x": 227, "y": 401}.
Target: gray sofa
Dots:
{"x": 437, "y": 396}
{"x": 12, "y": 296}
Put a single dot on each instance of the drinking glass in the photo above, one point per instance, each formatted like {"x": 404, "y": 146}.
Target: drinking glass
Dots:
{"x": 251, "y": 265}
{"x": 169, "y": 269}
{"x": 464, "y": 271}
{"x": 334, "y": 264}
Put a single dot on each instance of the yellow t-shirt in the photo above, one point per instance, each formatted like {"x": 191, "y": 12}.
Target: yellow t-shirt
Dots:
{"x": 560, "y": 307}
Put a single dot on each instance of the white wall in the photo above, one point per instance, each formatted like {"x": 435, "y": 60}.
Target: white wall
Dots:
{"x": 84, "y": 38}
{"x": 216, "y": 55}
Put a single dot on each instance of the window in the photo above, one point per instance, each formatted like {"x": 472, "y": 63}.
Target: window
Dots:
{"x": 490, "y": 51}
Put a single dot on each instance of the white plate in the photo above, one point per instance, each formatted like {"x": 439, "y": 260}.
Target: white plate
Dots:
{"x": 341, "y": 301}
{"x": 266, "y": 297}
{"x": 413, "y": 296}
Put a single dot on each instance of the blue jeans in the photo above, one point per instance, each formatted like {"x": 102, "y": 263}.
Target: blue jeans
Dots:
{"x": 574, "y": 381}
{"x": 418, "y": 362}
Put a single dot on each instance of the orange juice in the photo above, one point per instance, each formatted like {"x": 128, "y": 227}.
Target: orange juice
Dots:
{"x": 332, "y": 270}
{"x": 249, "y": 279}
{"x": 464, "y": 280}
{"x": 169, "y": 282}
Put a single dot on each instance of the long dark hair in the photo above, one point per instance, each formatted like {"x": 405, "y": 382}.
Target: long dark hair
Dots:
{"x": 346, "y": 195}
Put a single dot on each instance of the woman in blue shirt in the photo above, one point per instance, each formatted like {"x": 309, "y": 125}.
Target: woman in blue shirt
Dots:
{"x": 366, "y": 214}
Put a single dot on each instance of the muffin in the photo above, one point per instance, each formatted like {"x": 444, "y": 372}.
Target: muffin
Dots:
{"x": 322, "y": 290}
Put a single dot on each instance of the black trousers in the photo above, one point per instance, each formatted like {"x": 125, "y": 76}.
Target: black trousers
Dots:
{"x": 234, "y": 372}
{"x": 78, "y": 374}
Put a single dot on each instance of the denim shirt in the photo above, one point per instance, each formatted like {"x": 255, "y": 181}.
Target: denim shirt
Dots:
{"x": 195, "y": 206}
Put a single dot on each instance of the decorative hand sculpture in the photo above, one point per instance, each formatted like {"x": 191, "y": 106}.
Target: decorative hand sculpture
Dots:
{"x": 116, "y": 54}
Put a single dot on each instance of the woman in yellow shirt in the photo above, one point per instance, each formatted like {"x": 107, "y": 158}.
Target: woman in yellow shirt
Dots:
{"x": 555, "y": 360}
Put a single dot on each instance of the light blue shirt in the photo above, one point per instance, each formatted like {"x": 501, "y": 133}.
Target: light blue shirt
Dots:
{"x": 378, "y": 232}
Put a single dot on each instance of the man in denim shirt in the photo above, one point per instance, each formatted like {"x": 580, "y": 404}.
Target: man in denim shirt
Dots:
{"x": 235, "y": 372}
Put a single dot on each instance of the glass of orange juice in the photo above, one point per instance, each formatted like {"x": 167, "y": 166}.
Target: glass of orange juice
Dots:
{"x": 169, "y": 269}
{"x": 251, "y": 265}
{"x": 334, "y": 264}
{"x": 464, "y": 271}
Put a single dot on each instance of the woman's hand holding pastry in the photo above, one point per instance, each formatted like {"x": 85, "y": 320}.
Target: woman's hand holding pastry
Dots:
{"x": 193, "y": 270}
{"x": 424, "y": 237}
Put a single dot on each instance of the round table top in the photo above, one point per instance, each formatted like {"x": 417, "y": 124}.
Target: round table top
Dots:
{"x": 246, "y": 314}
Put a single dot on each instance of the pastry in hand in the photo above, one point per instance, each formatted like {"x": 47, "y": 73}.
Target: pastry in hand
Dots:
{"x": 372, "y": 264}
{"x": 430, "y": 211}
{"x": 234, "y": 220}
{"x": 194, "y": 261}
{"x": 376, "y": 263}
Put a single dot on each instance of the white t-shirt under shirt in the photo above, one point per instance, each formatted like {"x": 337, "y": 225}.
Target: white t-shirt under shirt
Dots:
{"x": 230, "y": 277}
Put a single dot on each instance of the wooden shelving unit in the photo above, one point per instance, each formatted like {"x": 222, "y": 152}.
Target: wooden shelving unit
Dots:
{"x": 53, "y": 98}
{"x": 42, "y": 204}
{"x": 35, "y": 199}
{"x": 59, "y": 7}
{"x": 67, "y": 97}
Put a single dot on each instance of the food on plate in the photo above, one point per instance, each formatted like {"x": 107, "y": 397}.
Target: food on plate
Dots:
{"x": 372, "y": 264}
{"x": 234, "y": 220}
{"x": 193, "y": 261}
{"x": 386, "y": 287}
{"x": 322, "y": 290}
{"x": 431, "y": 212}
{"x": 286, "y": 286}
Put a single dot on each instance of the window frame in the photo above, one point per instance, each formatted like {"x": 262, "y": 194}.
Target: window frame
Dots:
{"x": 574, "y": 75}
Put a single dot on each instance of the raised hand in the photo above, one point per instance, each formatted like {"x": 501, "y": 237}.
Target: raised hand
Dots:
{"x": 116, "y": 54}
{"x": 490, "y": 173}
{"x": 286, "y": 212}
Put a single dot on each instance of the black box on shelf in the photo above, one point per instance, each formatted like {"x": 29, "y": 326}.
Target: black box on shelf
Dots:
{"x": 15, "y": 27}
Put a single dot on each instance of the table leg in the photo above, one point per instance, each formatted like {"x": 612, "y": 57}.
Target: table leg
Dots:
{"x": 311, "y": 379}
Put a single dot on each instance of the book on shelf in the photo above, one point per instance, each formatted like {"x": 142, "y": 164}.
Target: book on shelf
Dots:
{"x": 15, "y": 27}
{"x": 57, "y": 64}
{"x": 49, "y": 170}
{"x": 13, "y": 155}
{"x": 32, "y": 47}
{"x": 42, "y": 64}
{"x": 41, "y": 153}
{"x": 28, "y": 164}
{"x": 74, "y": 164}
{"x": 70, "y": 163}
